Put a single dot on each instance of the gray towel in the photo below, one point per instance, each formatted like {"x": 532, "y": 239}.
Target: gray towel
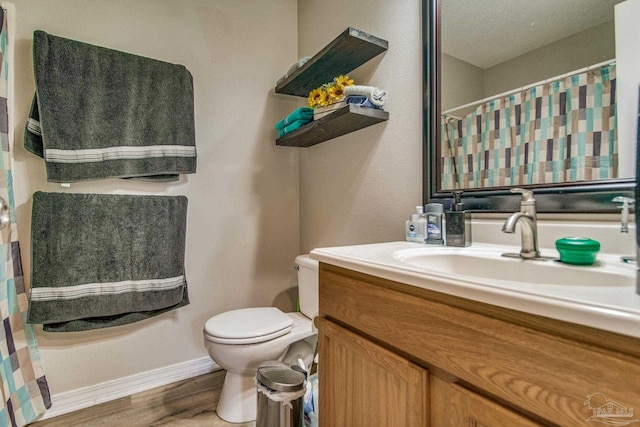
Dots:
{"x": 100, "y": 113}
{"x": 102, "y": 260}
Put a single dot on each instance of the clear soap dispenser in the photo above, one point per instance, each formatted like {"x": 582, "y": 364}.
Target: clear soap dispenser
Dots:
{"x": 458, "y": 224}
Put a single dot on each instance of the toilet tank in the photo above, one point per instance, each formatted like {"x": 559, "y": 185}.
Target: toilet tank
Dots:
{"x": 308, "y": 285}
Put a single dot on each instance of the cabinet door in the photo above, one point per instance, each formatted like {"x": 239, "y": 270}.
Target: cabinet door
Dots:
{"x": 365, "y": 385}
{"x": 454, "y": 406}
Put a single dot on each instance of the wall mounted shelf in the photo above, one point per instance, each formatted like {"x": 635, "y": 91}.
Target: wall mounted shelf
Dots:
{"x": 345, "y": 120}
{"x": 344, "y": 54}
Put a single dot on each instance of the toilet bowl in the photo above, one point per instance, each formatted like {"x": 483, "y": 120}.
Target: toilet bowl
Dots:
{"x": 239, "y": 340}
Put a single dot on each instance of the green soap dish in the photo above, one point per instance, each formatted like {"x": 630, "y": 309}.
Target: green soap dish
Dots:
{"x": 577, "y": 250}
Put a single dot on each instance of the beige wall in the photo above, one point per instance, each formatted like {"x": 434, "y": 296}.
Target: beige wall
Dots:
{"x": 461, "y": 83}
{"x": 361, "y": 187}
{"x": 243, "y": 219}
{"x": 580, "y": 50}
{"x": 460, "y": 78}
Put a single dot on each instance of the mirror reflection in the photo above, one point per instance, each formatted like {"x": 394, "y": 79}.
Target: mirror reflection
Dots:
{"x": 528, "y": 95}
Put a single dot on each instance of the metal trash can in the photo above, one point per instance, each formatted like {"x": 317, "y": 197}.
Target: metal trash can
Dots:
{"x": 280, "y": 396}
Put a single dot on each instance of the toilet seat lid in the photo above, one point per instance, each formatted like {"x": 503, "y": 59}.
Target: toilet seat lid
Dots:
{"x": 254, "y": 323}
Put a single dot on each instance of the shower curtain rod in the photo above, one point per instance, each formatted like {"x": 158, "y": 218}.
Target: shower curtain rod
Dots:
{"x": 520, "y": 89}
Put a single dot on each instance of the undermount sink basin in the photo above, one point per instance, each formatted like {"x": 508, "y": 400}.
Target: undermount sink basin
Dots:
{"x": 488, "y": 265}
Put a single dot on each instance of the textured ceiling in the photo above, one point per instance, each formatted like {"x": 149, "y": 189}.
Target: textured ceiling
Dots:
{"x": 489, "y": 32}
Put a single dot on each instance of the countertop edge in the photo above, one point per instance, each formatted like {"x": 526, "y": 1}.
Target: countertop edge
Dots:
{"x": 621, "y": 321}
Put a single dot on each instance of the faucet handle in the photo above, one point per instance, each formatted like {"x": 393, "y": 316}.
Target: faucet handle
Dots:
{"x": 527, "y": 195}
{"x": 628, "y": 201}
{"x": 528, "y": 202}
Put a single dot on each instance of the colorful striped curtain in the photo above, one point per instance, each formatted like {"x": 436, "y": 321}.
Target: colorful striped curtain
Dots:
{"x": 563, "y": 131}
{"x": 25, "y": 394}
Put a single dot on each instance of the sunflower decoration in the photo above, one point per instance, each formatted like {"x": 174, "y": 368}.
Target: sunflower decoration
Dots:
{"x": 329, "y": 93}
{"x": 315, "y": 96}
{"x": 343, "y": 81}
{"x": 326, "y": 97}
{"x": 336, "y": 93}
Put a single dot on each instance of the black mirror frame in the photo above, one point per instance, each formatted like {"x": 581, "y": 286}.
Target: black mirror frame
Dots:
{"x": 593, "y": 197}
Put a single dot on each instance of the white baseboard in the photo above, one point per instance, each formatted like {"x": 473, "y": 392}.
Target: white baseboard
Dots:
{"x": 73, "y": 400}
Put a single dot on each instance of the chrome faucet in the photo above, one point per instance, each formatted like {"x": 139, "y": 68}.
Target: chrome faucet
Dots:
{"x": 627, "y": 202}
{"x": 528, "y": 224}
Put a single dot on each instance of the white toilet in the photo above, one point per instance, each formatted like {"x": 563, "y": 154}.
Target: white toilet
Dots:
{"x": 239, "y": 340}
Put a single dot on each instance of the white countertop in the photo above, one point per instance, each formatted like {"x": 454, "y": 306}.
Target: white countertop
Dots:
{"x": 606, "y": 306}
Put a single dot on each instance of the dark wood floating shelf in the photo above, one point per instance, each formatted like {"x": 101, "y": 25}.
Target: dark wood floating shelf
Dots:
{"x": 344, "y": 54}
{"x": 345, "y": 120}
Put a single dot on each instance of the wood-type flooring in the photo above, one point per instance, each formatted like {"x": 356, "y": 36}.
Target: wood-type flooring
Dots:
{"x": 188, "y": 403}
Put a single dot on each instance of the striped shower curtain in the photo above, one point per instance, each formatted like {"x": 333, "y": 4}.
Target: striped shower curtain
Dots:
{"x": 25, "y": 393}
{"x": 562, "y": 131}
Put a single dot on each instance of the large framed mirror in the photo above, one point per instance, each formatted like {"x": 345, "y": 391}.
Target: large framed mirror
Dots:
{"x": 521, "y": 93}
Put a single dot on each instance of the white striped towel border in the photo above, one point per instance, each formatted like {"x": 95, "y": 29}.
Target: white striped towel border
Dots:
{"x": 92, "y": 155}
{"x": 33, "y": 126}
{"x": 97, "y": 289}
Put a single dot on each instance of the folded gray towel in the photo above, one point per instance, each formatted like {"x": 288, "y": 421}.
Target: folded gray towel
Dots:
{"x": 102, "y": 260}
{"x": 100, "y": 113}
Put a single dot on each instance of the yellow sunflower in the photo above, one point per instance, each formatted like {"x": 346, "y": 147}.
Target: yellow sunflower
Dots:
{"x": 315, "y": 97}
{"x": 336, "y": 93}
{"x": 325, "y": 99}
{"x": 343, "y": 81}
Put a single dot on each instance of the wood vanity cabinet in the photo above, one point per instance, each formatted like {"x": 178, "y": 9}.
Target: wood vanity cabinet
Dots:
{"x": 398, "y": 355}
